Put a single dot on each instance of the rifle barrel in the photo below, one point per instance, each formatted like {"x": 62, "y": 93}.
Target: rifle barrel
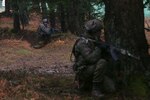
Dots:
{"x": 147, "y": 29}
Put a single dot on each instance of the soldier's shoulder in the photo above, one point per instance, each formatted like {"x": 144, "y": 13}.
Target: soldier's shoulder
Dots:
{"x": 82, "y": 41}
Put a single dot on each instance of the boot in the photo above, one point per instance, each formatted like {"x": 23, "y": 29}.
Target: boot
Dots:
{"x": 39, "y": 45}
{"x": 41, "y": 42}
{"x": 96, "y": 90}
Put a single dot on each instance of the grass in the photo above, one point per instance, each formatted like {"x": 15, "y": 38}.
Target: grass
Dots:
{"x": 138, "y": 87}
{"x": 11, "y": 23}
{"x": 23, "y": 52}
{"x": 22, "y": 85}
{"x": 41, "y": 87}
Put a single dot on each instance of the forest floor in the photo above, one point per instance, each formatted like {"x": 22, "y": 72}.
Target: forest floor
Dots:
{"x": 37, "y": 74}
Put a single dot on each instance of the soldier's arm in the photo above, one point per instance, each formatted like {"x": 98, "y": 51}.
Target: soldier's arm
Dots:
{"x": 44, "y": 29}
{"x": 90, "y": 55}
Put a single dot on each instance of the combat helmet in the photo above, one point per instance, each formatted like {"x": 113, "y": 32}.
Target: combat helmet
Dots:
{"x": 93, "y": 26}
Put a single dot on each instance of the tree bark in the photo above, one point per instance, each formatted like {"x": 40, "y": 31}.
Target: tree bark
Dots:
{"x": 16, "y": 23}
{"x": 62, "y": 18}
{"x": 35, "y": 5}
{"x": 72, "y": 16}
{"x": 52, "y": 19}
{"x": 44, "y": 9}
{"x": 16, "y": 19}
{"x": 75, "y": 16}
{"x": 124, "y": 28}
{"x": 7, "y": 7}
{"x": 124, "y": 25}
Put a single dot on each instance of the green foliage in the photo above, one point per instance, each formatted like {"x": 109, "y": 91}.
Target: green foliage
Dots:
{"x": 146, "y": 3}
{"x": 23, "y": 52}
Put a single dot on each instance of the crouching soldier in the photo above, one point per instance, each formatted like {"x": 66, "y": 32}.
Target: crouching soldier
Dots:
{"x": 43, "y": 33}
{"x": 90, "y": 64}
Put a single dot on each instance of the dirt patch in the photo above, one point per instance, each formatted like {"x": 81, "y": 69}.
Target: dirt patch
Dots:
{"x": 18, "y": 53}
{"x": 37, "y": 74}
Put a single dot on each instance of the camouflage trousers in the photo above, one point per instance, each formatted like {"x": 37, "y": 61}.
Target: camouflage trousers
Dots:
{"x": 44, "y": 38}
{"x": 86, "y": 75}
{"x": 41, "y": 41}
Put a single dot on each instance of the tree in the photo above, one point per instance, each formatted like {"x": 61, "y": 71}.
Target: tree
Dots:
{"x": 44, "y": 9}
{"x": 16, "y": 19}
{"x": 73, "y": 15}
{"x": 77, "y": 13}
{"x": 124, "y": 28}
{"x": 62, "y": 16}
{"x": 7, "y": 7}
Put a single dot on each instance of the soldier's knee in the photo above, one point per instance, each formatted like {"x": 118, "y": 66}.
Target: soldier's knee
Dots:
{"x": 102, "y": 62}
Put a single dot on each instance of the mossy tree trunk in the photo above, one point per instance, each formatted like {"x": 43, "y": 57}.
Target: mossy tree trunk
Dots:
{"x": 124, "y": 28}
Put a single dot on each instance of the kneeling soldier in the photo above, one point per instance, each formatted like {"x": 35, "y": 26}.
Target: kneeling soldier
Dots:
{"x": 89, "y": 63}
{"x": 44, "y": 34}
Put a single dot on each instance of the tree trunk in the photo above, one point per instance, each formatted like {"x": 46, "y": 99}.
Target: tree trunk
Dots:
{"x": 7, "y": 7}
{"x": 16, "y": 19}
{"x": 52, "y": 19}
{"x": 75, "y": 17}
{"x": 62, "y": 18}
{"x": 44, "y": 9}
{"x": 72, "y": 16}
{"x": 124, "y": 28}
{"x": 35, "y": 5}
{"x": 16, "y": 23}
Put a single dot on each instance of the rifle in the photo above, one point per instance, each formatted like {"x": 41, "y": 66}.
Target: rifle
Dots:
{"x": 147, "y": 29}
{"x": 114, "y": 51}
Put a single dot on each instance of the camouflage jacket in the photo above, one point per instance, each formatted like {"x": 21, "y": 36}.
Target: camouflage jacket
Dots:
{"x": 43, "y": 29}
{"x": 86, "y": 52}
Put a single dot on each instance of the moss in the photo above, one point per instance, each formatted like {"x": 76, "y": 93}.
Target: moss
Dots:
{"x": 23, "y": 52}
{"x": 137, "y": 86}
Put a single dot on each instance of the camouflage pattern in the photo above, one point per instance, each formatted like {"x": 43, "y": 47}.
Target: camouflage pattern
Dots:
{"x": 89, "y": 65}
{"x": 90, "y": 60}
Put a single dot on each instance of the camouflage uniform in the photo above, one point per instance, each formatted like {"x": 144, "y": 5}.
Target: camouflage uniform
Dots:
{"x": 90, "y": 64}
{"x": 44, "y": 34}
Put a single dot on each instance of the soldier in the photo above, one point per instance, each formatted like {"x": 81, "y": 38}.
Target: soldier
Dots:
{"x": 90, "y": 64}
{"x": 44, "y": 34}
